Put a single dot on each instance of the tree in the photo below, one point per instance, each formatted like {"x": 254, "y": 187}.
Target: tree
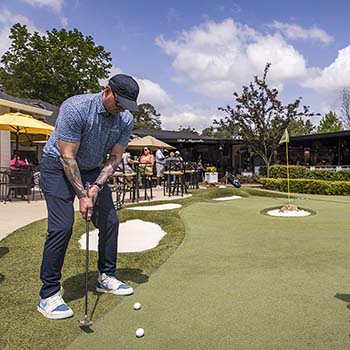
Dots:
{"x": 260, "y": 117}
{"x": 189, "y": 130}
{"x": 345, "y": 107}
{"x": 219, "y": 132}
{"x": 147, "y": 117}
{"x": 330, "y": 123}
{"x": 54, "y": 66}
{"x": 300, "y": 127}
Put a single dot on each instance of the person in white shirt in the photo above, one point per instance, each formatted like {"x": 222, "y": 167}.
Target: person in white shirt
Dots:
{"x": 160, "y": 164}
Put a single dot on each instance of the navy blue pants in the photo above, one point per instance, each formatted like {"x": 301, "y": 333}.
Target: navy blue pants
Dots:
{"x": 59, "y": 196}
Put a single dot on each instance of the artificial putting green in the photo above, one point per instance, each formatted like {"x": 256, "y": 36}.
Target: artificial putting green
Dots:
{"x": 239, "y": 280}
{"x": 242, "y": 280}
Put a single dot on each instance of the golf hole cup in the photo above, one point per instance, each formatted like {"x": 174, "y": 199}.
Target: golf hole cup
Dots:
{"x": 137, "y": 306}
{"x": 140, "y": 332}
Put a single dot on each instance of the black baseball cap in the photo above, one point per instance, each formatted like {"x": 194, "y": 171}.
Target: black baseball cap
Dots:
{"x": 126, "y": 89}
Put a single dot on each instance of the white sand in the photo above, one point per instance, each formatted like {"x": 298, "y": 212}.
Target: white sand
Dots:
{"x": 158, "y": 207}
{"x": 134, "y": 236}
{"x": 290, "y": 213}
{"x": 227, "y": 198}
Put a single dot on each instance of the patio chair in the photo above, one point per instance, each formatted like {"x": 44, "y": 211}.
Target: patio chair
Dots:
{"x": 20, "y": 183}
{"x": 174, "y": 179}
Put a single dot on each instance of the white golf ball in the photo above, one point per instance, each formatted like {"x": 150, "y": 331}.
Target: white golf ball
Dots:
{"x": 137, "y": 306}
{"x": 140, "y": 332}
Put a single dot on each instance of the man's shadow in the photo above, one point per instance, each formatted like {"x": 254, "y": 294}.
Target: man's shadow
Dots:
{"x": 3, "y": 251}
{"x": 343, "y": 297}
{"x": 74, "y": 287}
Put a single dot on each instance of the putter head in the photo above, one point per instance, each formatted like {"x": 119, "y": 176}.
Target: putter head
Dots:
{"x": 85, "y": 322}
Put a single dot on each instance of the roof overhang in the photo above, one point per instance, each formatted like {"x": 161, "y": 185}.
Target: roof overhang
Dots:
{"x": 25, "y": 108}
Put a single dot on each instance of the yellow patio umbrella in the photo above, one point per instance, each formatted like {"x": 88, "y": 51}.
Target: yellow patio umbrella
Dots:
{"x": 23, "y": 124}
{"x": 148, "y": 141}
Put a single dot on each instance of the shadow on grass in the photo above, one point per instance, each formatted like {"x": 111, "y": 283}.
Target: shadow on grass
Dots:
{"x": 74, "y": 287}
{"x": 3, "y": 252}
{"x": 343, "y": 297}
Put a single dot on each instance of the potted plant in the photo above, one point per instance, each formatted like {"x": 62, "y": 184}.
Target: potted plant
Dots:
{"x": 211, "y": 175}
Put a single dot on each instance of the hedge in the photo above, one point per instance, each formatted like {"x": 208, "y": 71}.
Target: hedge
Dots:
{"x": 340, "y": 188}
{"x": 300, "y": 172}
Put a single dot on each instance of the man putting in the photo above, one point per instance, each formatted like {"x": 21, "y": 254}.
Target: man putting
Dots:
{"x": 88, "y": 128}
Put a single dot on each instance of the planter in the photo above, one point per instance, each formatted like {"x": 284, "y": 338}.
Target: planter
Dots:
{"x": 211, "y": 177}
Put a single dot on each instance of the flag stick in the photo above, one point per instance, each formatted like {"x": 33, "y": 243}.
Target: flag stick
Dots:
{"x": 287, "y": 172}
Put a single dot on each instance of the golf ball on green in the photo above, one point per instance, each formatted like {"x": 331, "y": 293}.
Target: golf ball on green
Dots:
{"x": 137, "y": 306}
{"x": 140, "y": 332}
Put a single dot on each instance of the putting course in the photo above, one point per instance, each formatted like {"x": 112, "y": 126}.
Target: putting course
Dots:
{"x": 242, "y": 280}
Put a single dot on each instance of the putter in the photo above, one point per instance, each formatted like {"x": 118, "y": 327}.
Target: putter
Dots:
{"x": 86, "y": 322}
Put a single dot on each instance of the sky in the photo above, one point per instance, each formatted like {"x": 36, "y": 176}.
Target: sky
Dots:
{"x": 190, "y": 56}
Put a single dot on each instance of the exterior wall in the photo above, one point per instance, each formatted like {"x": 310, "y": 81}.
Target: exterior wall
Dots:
{"x": 5, "y": 144}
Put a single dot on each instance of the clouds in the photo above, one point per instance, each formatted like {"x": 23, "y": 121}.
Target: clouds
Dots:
{"x": 334, "y": 77}
{"x": 198, "y": 117}
{"x": 54, "y": 5}
{"x": 294, "y": 31}
{"x": 150, "y": 92}
{"x": 217, "y": 58}
{"x": 7, "y": 20}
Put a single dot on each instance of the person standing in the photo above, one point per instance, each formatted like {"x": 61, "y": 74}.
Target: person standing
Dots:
{"x": 160, "y": 164}
{"x": 88, "y": 127}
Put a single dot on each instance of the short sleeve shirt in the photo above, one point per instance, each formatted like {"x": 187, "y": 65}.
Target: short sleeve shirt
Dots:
{"x": 159, "y": 156}
{"x": 84, "y": 119}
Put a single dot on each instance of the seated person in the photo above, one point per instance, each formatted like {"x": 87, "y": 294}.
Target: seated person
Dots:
{"x": 146, "y": 161}
{"x": 16, "y": 162}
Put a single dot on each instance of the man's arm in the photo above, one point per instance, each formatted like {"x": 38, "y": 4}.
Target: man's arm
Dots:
{"x": 68, "y": 152}
{"x": 115, "y": 158}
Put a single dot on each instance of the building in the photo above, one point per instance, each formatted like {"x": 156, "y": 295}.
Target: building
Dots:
{"x": 223, "y": 153}
{"x": 38, "y": 109}
{"x": 326, "y": 149}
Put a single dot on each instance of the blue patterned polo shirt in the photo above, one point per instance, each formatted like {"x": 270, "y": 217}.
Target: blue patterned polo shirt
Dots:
{"x": 84, "y": 119}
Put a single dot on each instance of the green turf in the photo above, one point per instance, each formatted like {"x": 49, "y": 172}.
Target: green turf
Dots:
{"x": 22, "y": 327}
{"x": 239, "y": 280}
{"x": 243, "y": 280}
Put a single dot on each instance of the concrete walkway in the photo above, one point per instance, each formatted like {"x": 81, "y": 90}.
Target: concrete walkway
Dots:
{"x": 19, "y": 213}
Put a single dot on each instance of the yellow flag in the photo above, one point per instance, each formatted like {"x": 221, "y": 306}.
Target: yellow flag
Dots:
{"x": 285, "y": 137}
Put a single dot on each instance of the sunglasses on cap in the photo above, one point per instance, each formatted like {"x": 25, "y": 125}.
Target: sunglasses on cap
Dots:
{"x": 117, "y": 102}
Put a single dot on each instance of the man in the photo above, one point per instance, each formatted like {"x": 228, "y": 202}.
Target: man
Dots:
{"x": 160, "y": 164}
{"x": 88, "y": 128}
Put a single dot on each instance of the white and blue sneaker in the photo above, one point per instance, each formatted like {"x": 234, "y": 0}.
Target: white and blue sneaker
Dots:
{"x": 109, "y": 284}
{"x": 54, "y": 307}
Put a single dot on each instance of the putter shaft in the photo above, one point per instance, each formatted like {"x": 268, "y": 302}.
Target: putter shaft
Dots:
{"x": 85, "y": 321}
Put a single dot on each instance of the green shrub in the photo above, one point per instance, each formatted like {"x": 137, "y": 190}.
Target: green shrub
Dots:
{"x": 263, "y": 171}
{"x": 321, "y": 174}
{"x": 340, "y": 188}
{"x": 295, "y": 171}
{"x": 210, "y": 169}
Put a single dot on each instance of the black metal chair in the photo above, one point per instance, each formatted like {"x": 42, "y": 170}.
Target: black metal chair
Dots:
{"x": 20, "y": 183}
{"x": 4, "y": 180}
{"x": 146, "y": 174}
{"x": 174, "y": 179}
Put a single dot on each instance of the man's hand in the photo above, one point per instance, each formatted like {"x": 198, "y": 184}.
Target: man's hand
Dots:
{"x": 93, "y": 193}
{"x": 86, "y": 207}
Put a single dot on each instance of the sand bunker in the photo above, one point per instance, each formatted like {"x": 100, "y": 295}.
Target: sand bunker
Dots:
{"x": 158, "y": 207}
{"x": 134, "y": 236}
{"x": 227, "y": 198}
{"x": 290, "y": 213}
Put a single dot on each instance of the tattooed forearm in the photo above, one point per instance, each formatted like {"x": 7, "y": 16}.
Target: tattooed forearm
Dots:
{"x": 108, "y": 170}
{"x": 72, "y": 172}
